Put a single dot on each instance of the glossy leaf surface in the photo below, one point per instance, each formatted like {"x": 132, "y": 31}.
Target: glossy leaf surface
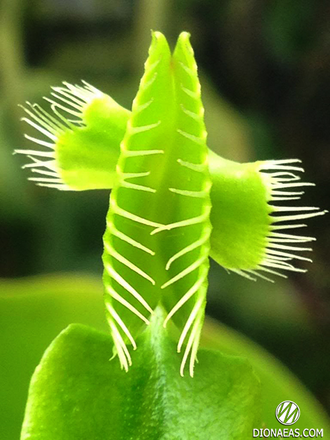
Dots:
{"x": 83, "y": 161}
{"x": 77, "y": 393}
{"x": 26, "y": 333}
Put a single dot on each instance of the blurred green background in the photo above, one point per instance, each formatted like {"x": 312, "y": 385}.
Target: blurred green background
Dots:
{"x": 264, "y": 68}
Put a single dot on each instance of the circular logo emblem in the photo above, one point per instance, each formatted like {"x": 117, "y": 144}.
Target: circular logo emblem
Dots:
{"x": 287, "y": 412}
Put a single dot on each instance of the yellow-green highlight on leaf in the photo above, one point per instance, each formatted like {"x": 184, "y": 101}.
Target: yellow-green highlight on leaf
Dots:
{"x": 156, "y": 244}
{"x": 239, "y": 237}
{"x": 247, "y": 236}
{"x": 81, "y": 138}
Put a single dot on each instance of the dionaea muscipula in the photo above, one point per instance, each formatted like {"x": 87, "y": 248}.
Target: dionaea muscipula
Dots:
{"x": 173, "y": 203}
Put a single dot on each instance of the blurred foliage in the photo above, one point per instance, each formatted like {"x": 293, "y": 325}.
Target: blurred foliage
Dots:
{"x": 33, "y": 312}
{"x": 264, "y": 69}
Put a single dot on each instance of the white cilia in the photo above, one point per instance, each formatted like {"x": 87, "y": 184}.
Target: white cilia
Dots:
{"x": 158, "y": 235}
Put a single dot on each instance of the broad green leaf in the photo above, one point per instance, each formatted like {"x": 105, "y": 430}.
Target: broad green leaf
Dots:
{"x": 77, "y": 393}
{"x": 33, "y": 311}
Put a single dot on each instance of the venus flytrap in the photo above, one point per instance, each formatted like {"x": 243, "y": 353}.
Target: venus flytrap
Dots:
{"x": 160, "y": 254}
{"x": 158, "y": 235}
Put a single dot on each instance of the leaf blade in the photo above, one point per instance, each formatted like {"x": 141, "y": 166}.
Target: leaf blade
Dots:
{"x": 77, "y": 393}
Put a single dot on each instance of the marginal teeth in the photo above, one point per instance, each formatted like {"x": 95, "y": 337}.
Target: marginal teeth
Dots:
{"x": 70, "y": 99}
{"x": 279, "y": 177}
{"x": 35, "y": 153}
{"x": 45, "y": 173}
{"x": 40, "y": 142}
{"x": 294, "y": 208}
